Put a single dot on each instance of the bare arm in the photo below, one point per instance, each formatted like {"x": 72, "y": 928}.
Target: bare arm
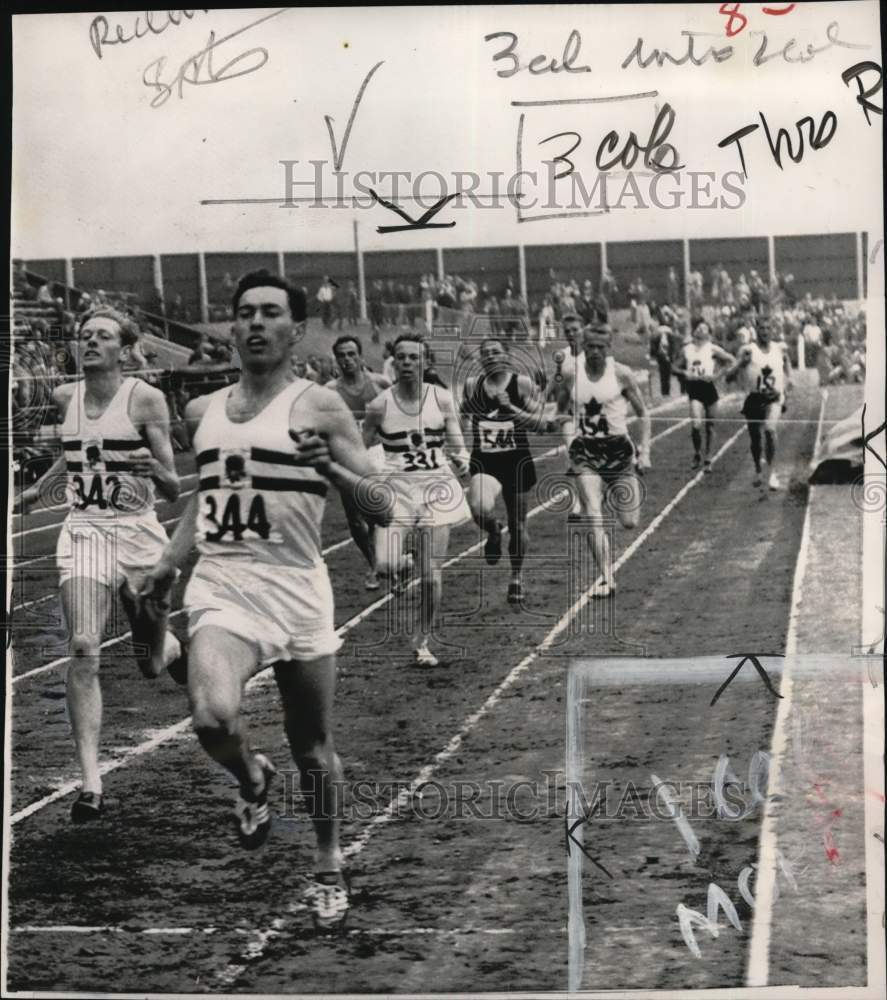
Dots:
{"x": 372, "y": 421}
{"x": 455, "y": 443}
{"x": 29, "y": 497}
{"x": 156, "y": 461}
{"x": 61, "y": 396}
{"x": 636, "y": 401}
{"x": 336, "y": 451}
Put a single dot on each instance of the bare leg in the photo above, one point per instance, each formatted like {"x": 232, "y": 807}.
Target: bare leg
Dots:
{"x": 86, "y": 604}
{"x": 590, "y": 494}
{"x": 306, "y": 691}
{"x": 219, "y": 666}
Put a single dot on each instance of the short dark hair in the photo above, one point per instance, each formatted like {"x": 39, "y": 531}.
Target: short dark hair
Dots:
{"x": 413, "y": 338}
{"x": 348, "y": 338}
{"x": 264, "y": 278}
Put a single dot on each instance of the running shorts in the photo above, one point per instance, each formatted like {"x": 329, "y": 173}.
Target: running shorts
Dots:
{"x": 609, "y": 456}
{"x": 427, "y": 501}
{"x": 123, "y": 549}
{"x": 702, "y": 391}
{"x": 283, "y": 612}
{"x": 515, "y": 470}
{"x": 757, "y": 405}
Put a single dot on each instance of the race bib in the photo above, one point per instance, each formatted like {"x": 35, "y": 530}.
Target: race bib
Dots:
{"x": 496, "y": 435}
{"x": 227, "y": 516}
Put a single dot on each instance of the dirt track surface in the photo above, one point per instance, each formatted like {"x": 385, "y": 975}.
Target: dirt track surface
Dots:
{"x": 440, "y": 903}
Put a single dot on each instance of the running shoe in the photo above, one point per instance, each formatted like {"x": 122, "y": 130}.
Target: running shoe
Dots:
{"x": 326, "y": 896}
{"x": 425, "y": 658}
{"x": 516, "y": 593}
{"x": 706, "y": 466}
{"x": 697, "y": 461}
{"x": 254, "y": 817}
{"x": 371, "y": 582}
{"x": 774, "y": 482}
{"x": 603, "y": 589}
{"x": 87, "y": 808}
{"x": 178, "y": 669}
{"x": 758, "y": 481}
{"x": 404, "y": 575}
{"x": 493, "y": 547}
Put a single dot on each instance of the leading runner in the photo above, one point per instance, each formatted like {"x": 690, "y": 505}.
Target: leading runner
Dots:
{"x": 260, "y": 593}
{"x": 593, "y": 403}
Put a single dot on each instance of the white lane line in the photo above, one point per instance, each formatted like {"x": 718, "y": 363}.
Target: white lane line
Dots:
{"x": 170, "y": 732}
{"x": 392, "y": 932}
{"x": 57, "y": 524}
{"x": 254, "y": 950}
{"x": 758, "y": 968}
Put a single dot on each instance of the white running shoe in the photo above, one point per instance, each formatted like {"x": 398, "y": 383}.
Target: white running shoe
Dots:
{"x": 602, "y": 589}
{"x": 372, "y": 581}
{"x": 326, "y": 896}
{"x": 425, "y": 658}
{"x": 774, "y": 482}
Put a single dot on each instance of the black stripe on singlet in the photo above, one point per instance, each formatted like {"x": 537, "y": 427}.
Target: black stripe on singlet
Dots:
{"x": 108, "y": 444}
{"x": 290, "y": 485}
{"x": 209, "y": 455}
{"x": 74, "y": 466}
{"x": 276, "y": 457}
{"x": 272, "y": 484}
{"x": 394, "y": 435}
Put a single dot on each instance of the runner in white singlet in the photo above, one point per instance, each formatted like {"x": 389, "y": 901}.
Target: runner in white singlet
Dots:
{"x": 116, "y": 451}
{"x": 419, "y": 430}
{"x": 701, "y": 364}
{"x": 764, "y": 373}
{"x": 260, "y": 593}
{"x": 593, "y": 404}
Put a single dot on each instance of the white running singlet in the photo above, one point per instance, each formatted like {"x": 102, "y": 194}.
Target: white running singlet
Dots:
{"x": 700, "y": 360}
{"x": 765, "y": 372}
{"x": 97, "y": 451}
{"x": 600, "y": 407}
{"x": 255, "y": 501}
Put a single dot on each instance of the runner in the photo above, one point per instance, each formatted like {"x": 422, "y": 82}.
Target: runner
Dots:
{"x": 698, "y": 369}
{"x": 260, "y": 593}
{"x": 116, "y": 452}
{"x": 593, "y": 403}
{"x": 764, "y": 372}
{"x": 565, "y": 363}
{"x": 501, "y": 406}
{"x": 418, "y": 428}
{"x": 357, "y": 387}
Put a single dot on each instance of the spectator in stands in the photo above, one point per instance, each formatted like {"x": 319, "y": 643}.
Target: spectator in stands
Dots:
{"x": 202, "y": 355}
{"x": 376, "y": 308}
{"x": 663, "y": 355}
{"x": 547, "y": 321}
{"x": 430, "y": 374}
{"x": 609, "y": 288}
{"x": 44, "y": 295}
{"x": 326, "y": 294}
{"x": 809, "y": 343}
{"x": 352, "y": 305}
{"x": 672, "y": 288}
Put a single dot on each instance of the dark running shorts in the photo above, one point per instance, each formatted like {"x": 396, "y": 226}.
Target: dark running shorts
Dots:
{"x": 756, "y": 403}
{"x": 609, "y": 457}
{"x": 703, "y": 392}
{"x": 515, "y": 471}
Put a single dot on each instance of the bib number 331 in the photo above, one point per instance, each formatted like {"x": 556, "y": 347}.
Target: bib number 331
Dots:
{"x": 230, "y": 524}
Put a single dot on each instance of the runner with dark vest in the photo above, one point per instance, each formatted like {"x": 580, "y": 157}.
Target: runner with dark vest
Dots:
{"x": 501, "y": 405}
